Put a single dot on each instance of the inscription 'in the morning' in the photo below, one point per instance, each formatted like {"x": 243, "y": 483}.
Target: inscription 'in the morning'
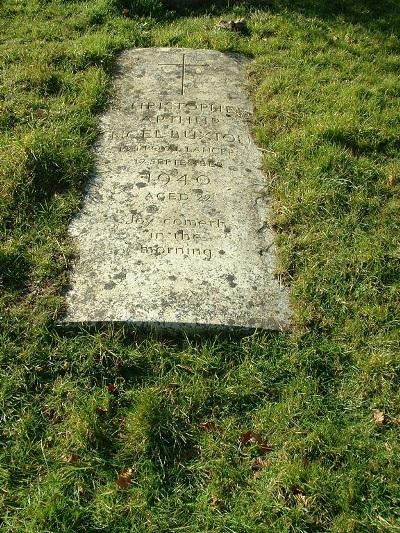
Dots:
{"x": 176, "y": 250}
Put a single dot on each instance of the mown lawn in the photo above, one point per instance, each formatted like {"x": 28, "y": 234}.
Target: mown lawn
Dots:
{"x": 120, "y": 431}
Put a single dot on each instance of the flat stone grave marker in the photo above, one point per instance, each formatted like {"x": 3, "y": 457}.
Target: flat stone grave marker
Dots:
{"x": 174, "y": 226}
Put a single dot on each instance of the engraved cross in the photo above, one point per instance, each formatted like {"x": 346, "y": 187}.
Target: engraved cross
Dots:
{"x": 183, "y": 67}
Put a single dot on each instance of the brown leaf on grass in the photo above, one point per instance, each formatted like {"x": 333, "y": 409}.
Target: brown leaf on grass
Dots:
{"x": 258, "y": 464}
{"x": 171, "y": 387}
{"x": 390, "y": 181}
{"x": 248, "y": 436}
{"x": 208, "y": 426}
{"x": 216, "y": 503}
{"x": 301, "y": 499}
{"x": 264, "y": 447}
{"x": 124, "y": 479}
{"x": 187, "y": 368}
{"x": 112, "y": 389}
{"x": 379, "y": 417}
{"x": 251, "y": 437}
{"x": 69, "y": 457}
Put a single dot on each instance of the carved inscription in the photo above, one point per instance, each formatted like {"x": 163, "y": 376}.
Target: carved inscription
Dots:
{"x": 178, "y": 162}
{"x": 191, "y": 106}
{"x": 174, "y": 134}
{"x": 171, "y": 121}
{"x": 176, "y": 187}
{"x": 190, "y": 150}
{"x": 160, "y": 182}
{"x": 174, "y": 227}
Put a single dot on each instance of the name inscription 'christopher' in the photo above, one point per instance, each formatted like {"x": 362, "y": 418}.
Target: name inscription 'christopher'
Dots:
{"x": 204, "y": 107}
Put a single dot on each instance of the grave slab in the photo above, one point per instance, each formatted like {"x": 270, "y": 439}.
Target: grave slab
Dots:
{"x": 174, "y": 228}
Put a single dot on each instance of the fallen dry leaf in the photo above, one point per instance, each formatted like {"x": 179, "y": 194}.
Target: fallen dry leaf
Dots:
{"x": 208, "y": 426}
{"x": 390, "y": 181}
{"x": 301, "y": 499}
{"x": 69, "y": 457}
{"x": 379, "y": 417}
{"x": 186, "y": 367}
{"x": 112, "y": 389}
{"x": 124, "y": 479}
{"x": 251, "y": 437}
{"x": 248, "y": 436}
{"x": 171, "y": 387}
{"x": 264, "y": 447}
{"x": 216, "y": 503}
{"x": 258, "y": 464}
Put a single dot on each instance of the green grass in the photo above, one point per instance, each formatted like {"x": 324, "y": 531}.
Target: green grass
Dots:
{"x": 78, "y": 408}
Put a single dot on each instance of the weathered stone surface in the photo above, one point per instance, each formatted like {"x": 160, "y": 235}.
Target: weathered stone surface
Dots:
{"x": 174, "y": 227}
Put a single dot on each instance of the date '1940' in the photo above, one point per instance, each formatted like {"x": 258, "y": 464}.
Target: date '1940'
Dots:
{"x": 165, "y": 179}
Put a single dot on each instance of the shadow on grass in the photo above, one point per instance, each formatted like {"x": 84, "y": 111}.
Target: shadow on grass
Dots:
{"x": 178, "y": 338}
